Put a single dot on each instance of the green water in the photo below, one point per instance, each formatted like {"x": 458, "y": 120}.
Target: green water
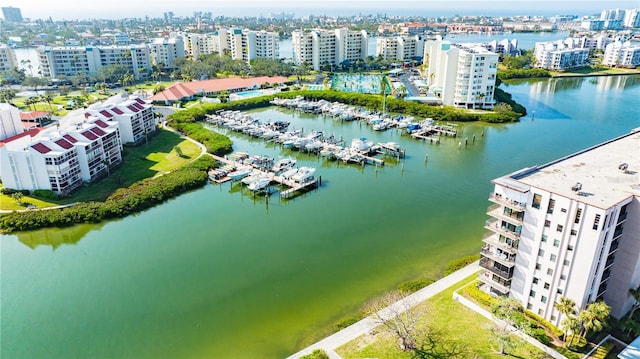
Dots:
{"x": 216, "y": 273}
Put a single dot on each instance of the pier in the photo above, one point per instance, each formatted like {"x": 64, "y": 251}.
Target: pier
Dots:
{"x": 293, "y": 187}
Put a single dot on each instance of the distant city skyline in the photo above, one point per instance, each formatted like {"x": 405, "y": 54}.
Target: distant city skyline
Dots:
{"x": 66, "y": 9}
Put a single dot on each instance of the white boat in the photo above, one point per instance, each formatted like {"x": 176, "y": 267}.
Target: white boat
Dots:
{"x": 247, "y": 180}
{"x": 313, "y": 145}
{"x": 240, "y": 173}
{"x": 283, "y": 165}
{"x": 259, "y": 183}
{"x": 361, "y": 144}
{"x": 304, "y": 174}
{"x": 289, "y": 173}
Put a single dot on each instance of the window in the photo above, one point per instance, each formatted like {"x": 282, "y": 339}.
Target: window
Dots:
{"x": 544, "y": 238}
{"x": 574, "y": 232}
{"x": 537, "y": 198}
{"x": 546, "y": 286}
{"x": 596, "y": 222}
{"x": 540, "y": 252}
{"x": 552, "y": 204}
{"x": 553, "y": 257}
{"x": 538, "y": 266}
{"x": 563, "y": 277}
{"x": 559, "y": 228}
{"x": 556, "y": 242}
{"x": 529, "y": 306}
{"x": 547, "y": 223}
{"x": 566, "y": 262}
{"x": 578, "y": 214}
{"x": 560, "y": 291}
{"x": 549, "y": 271}
{"x": 532, "y": 293}
{"x": 570, "y": 247}
{"x": 563, "y": 210}
{"x": 553, "y": 317}
{"x": 535, "y": 280}
{"x": 541, "y": 312}
{"x": 543, "y": 299}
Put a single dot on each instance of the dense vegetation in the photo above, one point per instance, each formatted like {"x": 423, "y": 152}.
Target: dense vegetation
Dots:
{"x": 439, "y": 113}
{"x": 523, "y": 73}
{"x": 135, "y": 198}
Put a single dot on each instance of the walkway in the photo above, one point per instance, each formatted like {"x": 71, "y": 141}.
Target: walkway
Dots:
{"x": 332, "y": 342}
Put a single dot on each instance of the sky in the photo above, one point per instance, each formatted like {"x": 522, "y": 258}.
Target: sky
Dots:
{"x": 70, "y": 9}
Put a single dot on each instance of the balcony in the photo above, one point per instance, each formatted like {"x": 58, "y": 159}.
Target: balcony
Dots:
{"x": 494, "y": 240}
{"x": 494, "y": 226}
{"x": 507, "y": 260}
{"x": 505, "y": 201}
{"x": 488, "y": 279}
{"x": 622, "y": 217}
{"x": 617, "y": 233}
{"x": 489, "y": 264}
{"x": 499, "y": 212}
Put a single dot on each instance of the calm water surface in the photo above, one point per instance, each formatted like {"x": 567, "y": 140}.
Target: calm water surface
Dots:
{"x": 217, "y": 273}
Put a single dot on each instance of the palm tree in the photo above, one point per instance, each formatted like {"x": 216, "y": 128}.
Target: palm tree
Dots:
{"x": 570, "y": 324}
{"x": 567, "y": 307}
{"x": 594, "y": 317}
{"x": 630, "y": 327}
{"x": 636, "y": 295}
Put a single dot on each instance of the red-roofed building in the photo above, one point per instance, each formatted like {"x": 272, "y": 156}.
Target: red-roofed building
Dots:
{"x": 89, "y": 135}
{"x": 101, "y": 124}
{"x": 63, "y": 143}
{"x": 41, "y": 147}
{"x": 117, "y": 111}
{"x": 106, "y": 113}
{"x": 186, "y": 90}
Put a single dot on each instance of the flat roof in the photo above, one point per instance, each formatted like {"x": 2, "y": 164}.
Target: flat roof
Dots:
{"x": 632, "y": 351}
{"x": 596, "y": 168}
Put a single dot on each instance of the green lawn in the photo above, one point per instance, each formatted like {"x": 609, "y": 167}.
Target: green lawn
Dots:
{"x": 458, "y": 325}
{"x": 157, "y": 157}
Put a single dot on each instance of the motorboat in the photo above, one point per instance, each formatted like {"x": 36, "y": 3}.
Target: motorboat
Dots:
{"x": 289, "y": 173}
{"x": 240, "y": 173}
{"x": 304, "y": 174}
{"x": 361, "y": 144}
{"x": 283, "y": 165}
{"x": 259, "y": 184}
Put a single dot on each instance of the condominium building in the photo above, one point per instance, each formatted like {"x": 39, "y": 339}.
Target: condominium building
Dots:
{"x": 569, "y": 228}
{"x": 322, "y": 48}
{"x": 7, "y": 58}
{"x": 197, "y": 45}
{"x": 10, "y": 122}
{"x": 463, "y": 75}
{"x": 166, "y": 51}
{"x": 248, "y": 45}
{"x": 621, "y": 54}
{"x": 82, "y": 149}
{"x": 72, "y": 60}
{"x": 560, "y": 55}
{"x": 632, "y": 18}
{"x": 400, "y": 47}
{"x": 12, "y": 14}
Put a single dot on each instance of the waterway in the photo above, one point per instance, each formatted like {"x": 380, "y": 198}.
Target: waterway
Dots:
{"x": 217, "y": 273}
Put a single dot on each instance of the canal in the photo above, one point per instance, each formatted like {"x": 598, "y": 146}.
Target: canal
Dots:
{"x": 219, "y": 273}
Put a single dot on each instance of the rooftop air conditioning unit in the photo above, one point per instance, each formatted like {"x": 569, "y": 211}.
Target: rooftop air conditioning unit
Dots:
{"x": 623, "y": 167}
{"x": 576, "y": 187}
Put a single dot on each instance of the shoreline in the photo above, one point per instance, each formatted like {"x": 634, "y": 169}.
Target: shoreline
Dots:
{"x": 596, "y": 74}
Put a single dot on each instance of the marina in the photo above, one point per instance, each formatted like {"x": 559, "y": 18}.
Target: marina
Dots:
{"x": 258, "y": 178}
{"x": 214, "y": 273}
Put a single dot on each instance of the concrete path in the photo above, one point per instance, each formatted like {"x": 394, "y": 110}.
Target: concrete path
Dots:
{"x": 332, "y": 342}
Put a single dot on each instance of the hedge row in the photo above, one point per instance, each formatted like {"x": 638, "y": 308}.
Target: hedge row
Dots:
{"x": 482, "y": 298}
{"x": 523, "y": 73}
{"x": 137, "y": 197}
{"x": 440, "y": 113}
{"x": 459, "y": 263}
{"x": 545, "y": 323}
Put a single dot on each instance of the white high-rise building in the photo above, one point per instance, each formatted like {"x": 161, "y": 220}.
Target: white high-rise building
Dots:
{"x": 560, "y": 55}
{"x": 463, "y": 75}
{"x": 7, "y": 58}
{"x": 612, "y": 14}
{"x": 197, "y": 45}
{"x": 632, "y": 18}
{"x": 166, "y": 51}
{"x": 72, "y": 60}
{"x": 247, "y": 45}
{"x": 621, "y": 54}
{"x": 325, "y": 48}
{"x": 569, "y": 228}
{"x": 400, "y": 47}
{"x": 10, "y": 123}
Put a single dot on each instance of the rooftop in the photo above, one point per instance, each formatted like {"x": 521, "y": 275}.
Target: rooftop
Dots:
{"x": 598, "y": 169}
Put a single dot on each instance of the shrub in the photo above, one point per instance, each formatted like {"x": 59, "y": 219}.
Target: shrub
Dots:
{"x": 458, "y": 263}
{"x": 544, "y": 323}
{"x": 45, "y": 193}
{"x": 482, "y": 298}
{"x": 414, "y": 285}
{"x": 316, "y": 354}
{"x": 347, "y": 322}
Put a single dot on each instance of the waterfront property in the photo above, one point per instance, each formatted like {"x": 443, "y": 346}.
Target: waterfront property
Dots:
{"x": 569, "y": 228}
{"x": 323, "y": 49}
{"x": 560, "y": 55}
{"x": 461, "y": 75}
{"x": 361, "y": 83}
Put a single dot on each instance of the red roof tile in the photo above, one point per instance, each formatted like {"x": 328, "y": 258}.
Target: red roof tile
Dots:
{"x": 181, "y": 90}
{"x": 137, "y": 105}
{"x": 101, "y": 124}
{"x": 90, "y": 135}
{"x": 64, "y": 144}
{"x": 32, "y": 132}
{"x": 33, "y": 115}
{"x": 70, "y": 138}
{"x": 117, "y": 110}
{"x": 87, "y": 115}
{"x": 98, "y": 131}
{"x": 106, "y": 113}
{"x": 41, "y": 147}
{"x": 133, "y": 108}
{"x": 140, "y": 101}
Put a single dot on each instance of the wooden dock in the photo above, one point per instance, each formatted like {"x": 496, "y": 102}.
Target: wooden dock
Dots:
{"x": 293, "y": 187}
{"x": 423, "y": 135}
